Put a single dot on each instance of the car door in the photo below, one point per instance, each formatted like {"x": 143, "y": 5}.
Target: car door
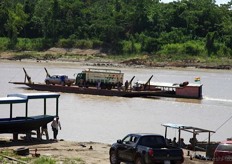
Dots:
{"x": 127, "y": 148}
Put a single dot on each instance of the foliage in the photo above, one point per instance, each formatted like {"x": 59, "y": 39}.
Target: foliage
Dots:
{"x": 44, "y": 160}
{"x": 185, "y": 27}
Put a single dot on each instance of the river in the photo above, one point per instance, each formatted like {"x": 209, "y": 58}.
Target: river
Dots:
{"x": 106, "y": 119}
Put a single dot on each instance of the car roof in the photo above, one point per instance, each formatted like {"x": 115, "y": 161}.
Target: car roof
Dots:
{"x": 226, "y": 142}
{"x": 145, "y": 134}
{"x": 59, "y": 75}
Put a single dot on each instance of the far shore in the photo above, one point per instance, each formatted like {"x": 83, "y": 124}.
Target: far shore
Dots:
{"x": 93, "y": 57}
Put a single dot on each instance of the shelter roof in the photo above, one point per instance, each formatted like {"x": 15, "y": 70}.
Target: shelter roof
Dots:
{"x": 187, "y": 128}
{"x": 34, "y": 95}
{"x": 10, "y": 100}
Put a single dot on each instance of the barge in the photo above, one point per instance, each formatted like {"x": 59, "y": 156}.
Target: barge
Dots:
{"x": 140, "y": 89}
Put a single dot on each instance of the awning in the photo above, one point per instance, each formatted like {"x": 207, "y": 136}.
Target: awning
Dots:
{"x": 187, "y": 128}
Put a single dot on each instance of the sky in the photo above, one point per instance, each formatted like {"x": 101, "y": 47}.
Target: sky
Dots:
{"x": 217, "y": 1}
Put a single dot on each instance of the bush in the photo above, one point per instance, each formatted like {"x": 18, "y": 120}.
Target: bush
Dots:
{"x": 97, "y": 43}
{"x": 129, "y": 47}
{"x": 173, "y": 49}
{"x": 38, "y": 44}
{"x": 66, "y": 43}
{"x": 193, "y": 48}
{"x": 85, "y": 44}
{"x": 3, "y": 44}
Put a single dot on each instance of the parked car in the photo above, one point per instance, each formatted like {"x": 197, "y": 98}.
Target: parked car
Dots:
{"x": 144, "y": 149}
{"x": 223, "y": 153}
{"x": 59, "y": 79}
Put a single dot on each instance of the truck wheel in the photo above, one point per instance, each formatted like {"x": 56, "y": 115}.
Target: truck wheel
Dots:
{"x": 139, "y": 160}
{"x": 114, "y": 158}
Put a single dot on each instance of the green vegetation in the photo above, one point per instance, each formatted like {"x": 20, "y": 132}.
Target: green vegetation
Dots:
{"x": 44, "y": 160}
{"x": 40, "y": 160}
{"x": 184, "y": 29}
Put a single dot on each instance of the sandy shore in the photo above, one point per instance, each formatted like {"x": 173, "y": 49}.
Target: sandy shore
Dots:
{"x": 85, "y": 152}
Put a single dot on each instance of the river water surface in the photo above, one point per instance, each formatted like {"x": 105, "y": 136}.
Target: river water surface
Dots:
{"x": 106, "y": 119}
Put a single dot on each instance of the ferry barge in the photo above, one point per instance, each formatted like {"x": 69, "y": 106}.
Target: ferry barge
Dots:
{"x": 140, "y": 89}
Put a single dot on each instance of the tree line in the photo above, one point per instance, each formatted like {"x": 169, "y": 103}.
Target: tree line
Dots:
{"x": 184, "y": 27}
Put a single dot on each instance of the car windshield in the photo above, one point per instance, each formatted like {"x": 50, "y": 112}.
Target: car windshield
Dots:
{"x": 153, "y": 141}
{"x": 225, "y": 147}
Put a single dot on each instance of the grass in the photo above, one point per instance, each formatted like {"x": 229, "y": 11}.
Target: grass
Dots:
{"x": 40, "y": 160}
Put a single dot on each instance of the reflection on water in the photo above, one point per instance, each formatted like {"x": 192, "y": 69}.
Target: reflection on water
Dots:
{"x": 106, "y": 119}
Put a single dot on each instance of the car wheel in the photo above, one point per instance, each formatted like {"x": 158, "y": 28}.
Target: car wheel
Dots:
{"x": 139, "y": 160}
{"x": 47, "y": 82}
{"x": 114, "y": 158}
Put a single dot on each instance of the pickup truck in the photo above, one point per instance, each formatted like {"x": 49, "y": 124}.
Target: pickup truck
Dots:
{"x": 144, "y": 149}
{"x": 59, "y": 79}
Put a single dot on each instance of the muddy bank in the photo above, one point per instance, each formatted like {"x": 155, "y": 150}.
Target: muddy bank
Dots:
{"x": 97, "y": 58}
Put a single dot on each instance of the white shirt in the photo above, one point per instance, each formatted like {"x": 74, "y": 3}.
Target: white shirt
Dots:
{"x": 56, "y": 124}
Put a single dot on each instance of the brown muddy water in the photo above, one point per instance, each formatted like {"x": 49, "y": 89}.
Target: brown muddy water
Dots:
{"x": 106, "y": 119}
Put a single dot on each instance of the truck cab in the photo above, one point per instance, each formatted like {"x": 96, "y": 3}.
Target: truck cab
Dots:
{"x": 80, "y": 79}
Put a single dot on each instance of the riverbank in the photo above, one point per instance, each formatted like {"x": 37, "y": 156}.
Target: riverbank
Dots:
{"x": 97, "y": 58}
{"x": 70, "y": 151}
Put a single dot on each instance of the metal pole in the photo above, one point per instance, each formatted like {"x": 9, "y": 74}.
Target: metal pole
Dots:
{"x": 57, "y": 106}
{"x": 11, "y": 107}
{"x": 179, "y": 137}
{"x": 165, "y": 132}
{"x": 45, "y": 106}
{"x": 26, "y": 109}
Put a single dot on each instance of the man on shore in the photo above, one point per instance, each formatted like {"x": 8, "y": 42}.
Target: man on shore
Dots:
{"x": 55, "y": 127}
{"x": 44, "y": 129}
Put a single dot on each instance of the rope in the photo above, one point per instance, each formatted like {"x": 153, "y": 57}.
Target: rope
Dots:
{"x": 223, "y": 123}
{"x": 220, "y": 126}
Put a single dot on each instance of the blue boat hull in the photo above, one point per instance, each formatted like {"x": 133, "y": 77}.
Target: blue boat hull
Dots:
{"x": 23, "y": 124}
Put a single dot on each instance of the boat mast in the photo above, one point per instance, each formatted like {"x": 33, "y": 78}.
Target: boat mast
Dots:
{"x": 27, "y": 77}
{"x": 48, "y": 75}
{"x": 148, "y": 82}
{"x": 131, "y": 81}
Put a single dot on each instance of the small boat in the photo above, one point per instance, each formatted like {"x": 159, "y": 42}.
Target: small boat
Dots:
{"x": 140, "y": 89}
{"x": 25, "y": 124}
{"x": 195, "y": 145}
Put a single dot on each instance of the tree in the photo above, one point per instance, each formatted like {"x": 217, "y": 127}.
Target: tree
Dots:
{"x": 15, "y": 23}
{"x": 210, "y": 45}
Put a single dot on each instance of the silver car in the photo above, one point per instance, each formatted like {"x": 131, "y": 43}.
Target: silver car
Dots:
{"x": 59, "y": 80}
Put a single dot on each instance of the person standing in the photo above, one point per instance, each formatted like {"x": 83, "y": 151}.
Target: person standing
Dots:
{"x": 126, "y": 85}
{"x": 55, "y": 127}
{"x": 44, "y": 129}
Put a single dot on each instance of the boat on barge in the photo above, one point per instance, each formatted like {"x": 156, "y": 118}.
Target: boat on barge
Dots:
{"x": 24, "y": 123}
{"x": 140, "y": 89}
